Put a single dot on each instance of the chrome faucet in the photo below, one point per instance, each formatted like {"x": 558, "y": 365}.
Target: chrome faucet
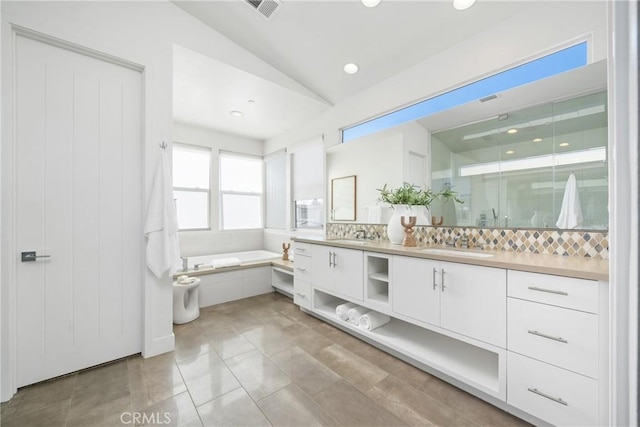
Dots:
{"x": 197, "y": 266}
{"x": 464, "y": 241}
{"x": 361, "y": 234}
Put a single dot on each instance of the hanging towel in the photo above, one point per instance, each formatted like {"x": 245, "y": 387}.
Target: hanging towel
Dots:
{"x": 371, "y": 320}
{"x": 342, "y": 311}
{"x": 161, "y": 228}
{"x": 571, "y": 212}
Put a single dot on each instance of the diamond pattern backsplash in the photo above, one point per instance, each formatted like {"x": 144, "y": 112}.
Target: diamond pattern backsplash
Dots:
{"x": 569, "y": 243}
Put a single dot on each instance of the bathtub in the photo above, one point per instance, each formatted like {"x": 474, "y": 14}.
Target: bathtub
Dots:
{"x": 245, "y": 257}
{"x": 223, "y": 285}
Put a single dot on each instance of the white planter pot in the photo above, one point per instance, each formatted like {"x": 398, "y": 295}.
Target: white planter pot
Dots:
{"x": 395, "y": 230}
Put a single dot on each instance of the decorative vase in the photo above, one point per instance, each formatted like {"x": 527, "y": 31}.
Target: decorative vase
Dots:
{"x": 395, "y": 230}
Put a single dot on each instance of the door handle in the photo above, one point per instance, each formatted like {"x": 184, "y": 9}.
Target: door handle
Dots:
{"x": 442, "y": 286}
{"x": 31, "y": 256}
{"x": 435, "y": 285}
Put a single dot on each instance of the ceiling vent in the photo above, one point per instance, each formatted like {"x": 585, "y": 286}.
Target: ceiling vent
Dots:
{"x": 266, "y": 8}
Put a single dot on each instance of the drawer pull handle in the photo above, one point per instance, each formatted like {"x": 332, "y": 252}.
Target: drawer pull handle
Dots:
{"x": 301, "y": 295}
{"x": 540, "y": 334}
{"x": 555, "y": 399}
{"x": 301, "y": 269}
{"x": 301, "y": 249}
{"x": 549, "y": 291}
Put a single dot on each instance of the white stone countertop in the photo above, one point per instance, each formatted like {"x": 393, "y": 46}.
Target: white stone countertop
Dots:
{"x": 578, "y": 267}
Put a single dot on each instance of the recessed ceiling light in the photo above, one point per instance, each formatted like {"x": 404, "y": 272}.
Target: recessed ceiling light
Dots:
{"x": 463, "y": 4}
{"x": 372, "y": 3}
{"x": 351, "y": 68}
{"x": 251, "y": 101}
{"x": 236, "y": 113}
{"x": 537, "y": 139}
{"x": 564, "y": 144}
{"x": 512, "y": 130}
{"x": 510, "y": 152}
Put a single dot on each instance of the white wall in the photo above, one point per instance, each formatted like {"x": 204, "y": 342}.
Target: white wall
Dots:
{"x": 143, "y": 33}
{"x": 216, "y": 241}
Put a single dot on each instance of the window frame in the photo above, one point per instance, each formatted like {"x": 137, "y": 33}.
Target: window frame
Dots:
{"x": 195, "y": 189}
{"x": 259, "y": 159}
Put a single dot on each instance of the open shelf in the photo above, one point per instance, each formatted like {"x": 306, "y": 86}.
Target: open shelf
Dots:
{"x": 282, "y": 281}
{"x": 463, "y": 361}
{"x": 377, "y": 280}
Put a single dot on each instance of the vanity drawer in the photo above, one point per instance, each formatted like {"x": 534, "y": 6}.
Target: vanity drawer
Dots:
{"x": 301, "y": 249}
{"x": 302, "y": 293}
{"x": 561, "y": 337}
{"x": 552, "y": 394}
{"x": 302, "y": 268}
{"x": 578, "y": 294}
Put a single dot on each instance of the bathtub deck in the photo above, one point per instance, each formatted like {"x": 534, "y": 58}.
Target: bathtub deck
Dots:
{"x": 286, "y": 265}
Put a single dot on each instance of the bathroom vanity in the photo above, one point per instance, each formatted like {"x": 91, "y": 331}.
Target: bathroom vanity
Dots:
{"x": 525, "y": 332}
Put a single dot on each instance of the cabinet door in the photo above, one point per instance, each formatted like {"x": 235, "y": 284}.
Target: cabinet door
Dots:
{"x": 414, "y": 292}
{"x": 348, "y": 273}
{"x": 474, "y": 302}
{"x": 322, "y": 267}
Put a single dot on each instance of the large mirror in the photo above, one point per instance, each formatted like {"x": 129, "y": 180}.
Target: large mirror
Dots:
{"x": 509, "y": 158}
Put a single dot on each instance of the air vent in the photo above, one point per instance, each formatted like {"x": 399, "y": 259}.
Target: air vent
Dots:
{"x": 488, "y": 98}
{"x": 266, "y": 8}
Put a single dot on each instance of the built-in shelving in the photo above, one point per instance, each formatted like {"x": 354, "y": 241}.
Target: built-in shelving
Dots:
{"x": 377, "y": 280}
{"x": 282, "y": 281}
{"x": 460, "y": 360}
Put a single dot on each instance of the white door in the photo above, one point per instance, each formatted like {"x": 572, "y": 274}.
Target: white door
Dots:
{"x": 348, "y": 274}
{"x": 79, "y": 201}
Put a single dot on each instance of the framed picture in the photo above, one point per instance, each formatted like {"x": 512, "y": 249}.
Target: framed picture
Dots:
{"x": 343, "y": 198}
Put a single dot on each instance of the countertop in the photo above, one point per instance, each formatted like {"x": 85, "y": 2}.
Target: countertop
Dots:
{"x": 286, "y": 265}
{"x": 578, "y": 267}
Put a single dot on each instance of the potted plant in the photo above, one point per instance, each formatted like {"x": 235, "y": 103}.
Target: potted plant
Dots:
{"x": 410, "y": 200}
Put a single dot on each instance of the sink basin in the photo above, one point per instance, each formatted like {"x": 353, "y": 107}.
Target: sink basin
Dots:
{"x": 350, "y": 241}
{"x": 456, "y": 252}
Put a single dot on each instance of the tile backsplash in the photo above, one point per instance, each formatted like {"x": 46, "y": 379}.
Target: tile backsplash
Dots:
{"x": 592, "y": 244}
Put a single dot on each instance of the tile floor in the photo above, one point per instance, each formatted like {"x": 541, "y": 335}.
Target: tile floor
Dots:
{"x": 258, "y": 361}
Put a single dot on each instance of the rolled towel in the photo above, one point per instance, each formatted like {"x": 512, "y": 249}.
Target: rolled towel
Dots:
{"x": 225, "y": 262}
{"x": 372, "y": 320}
{"x": 355, "y": 313}
{"x": 342, "y": 311}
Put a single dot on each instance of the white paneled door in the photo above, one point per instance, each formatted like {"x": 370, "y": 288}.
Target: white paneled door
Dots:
{"x": 78, "y": 204}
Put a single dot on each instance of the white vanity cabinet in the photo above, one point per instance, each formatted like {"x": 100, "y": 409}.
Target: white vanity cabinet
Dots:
{"x": 556, "y": 368}
{"x": 302, "y": 275}
{"x": 466, "y": 299}
{"x": 337, "y": 270}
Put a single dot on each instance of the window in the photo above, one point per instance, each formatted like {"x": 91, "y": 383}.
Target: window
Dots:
{"x": 307, "y": 161}
{"x": 540, "y": 68}
{"x": 191, "y": 189}
{"x": 275, "y": 171}
{"x": 240, "y": 192}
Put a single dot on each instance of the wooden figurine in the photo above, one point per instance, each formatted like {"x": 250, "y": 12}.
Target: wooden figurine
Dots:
{"x": 285, "y": 251}
{"x": 408, "y": 240}
{"x": 433, "y": 221}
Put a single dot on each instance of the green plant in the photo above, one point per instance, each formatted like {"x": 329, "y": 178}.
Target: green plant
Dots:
{"x": 410, "y": 194}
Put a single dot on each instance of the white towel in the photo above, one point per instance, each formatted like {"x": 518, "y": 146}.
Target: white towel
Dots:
{"x": 571, "y": 212}
{"x": 225, "y": 262}
{"x": 161, "y": 228}
{"x": 372, "y": 320}
{"x": 355, "y": 313}
{"x": 342, "y": 311}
